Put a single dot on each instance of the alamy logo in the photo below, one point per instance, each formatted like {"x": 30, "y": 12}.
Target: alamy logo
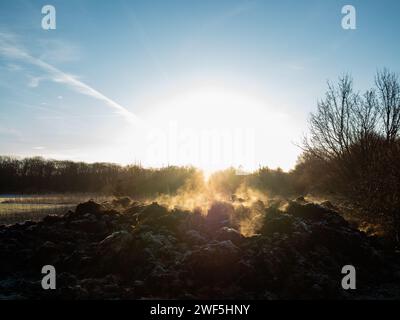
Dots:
{"x": 49, "y": 280}
{"x": 349, "y": 280}
{"x": 49, "y": 20}
{"x": 349, "y": 20}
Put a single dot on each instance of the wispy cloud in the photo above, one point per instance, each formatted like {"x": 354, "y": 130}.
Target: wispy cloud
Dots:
{"x": 231, "y": 13}
{"x": 57, "y": 51}
{"x": 11, "y": 49}
{"x": 13, "y": 67}
{"x": 5, "y": 131}
{"x": 295, "y": 67}
{"x": 34, "y": 81}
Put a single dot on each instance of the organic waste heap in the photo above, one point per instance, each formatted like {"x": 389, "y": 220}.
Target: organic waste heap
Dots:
{"x": 128, "y": 250}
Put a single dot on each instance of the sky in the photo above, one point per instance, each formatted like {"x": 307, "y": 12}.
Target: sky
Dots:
{"x": 163, "y": 82}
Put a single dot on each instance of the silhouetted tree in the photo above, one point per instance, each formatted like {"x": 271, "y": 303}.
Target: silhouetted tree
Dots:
{"x": 355, "y": 142}
{"x": 389, "y": 102}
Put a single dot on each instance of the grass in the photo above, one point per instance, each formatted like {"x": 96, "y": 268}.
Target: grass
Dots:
{"x": 19, "y": 208}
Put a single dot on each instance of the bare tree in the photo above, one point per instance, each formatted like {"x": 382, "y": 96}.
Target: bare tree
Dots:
{"x": 332, "y": 126}
{"x": 389, "y": 102}
{"x": 366, "y": 115}
{"x": 356, "y": 140}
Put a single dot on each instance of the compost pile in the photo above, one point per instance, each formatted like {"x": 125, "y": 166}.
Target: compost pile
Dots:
{"x": 129, "y": 250}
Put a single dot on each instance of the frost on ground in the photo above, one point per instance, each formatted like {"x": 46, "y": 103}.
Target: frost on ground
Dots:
{"x": 130, "y": 250}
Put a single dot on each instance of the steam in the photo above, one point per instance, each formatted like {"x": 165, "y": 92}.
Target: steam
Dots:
{"x": 197, "y": 195}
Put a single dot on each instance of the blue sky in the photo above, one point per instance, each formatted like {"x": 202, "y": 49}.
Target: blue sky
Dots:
{"x": 117, "y": 75}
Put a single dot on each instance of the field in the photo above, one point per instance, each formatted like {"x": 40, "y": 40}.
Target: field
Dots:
{"x": 125, "y": 249}
{"x": 19, "y": 208}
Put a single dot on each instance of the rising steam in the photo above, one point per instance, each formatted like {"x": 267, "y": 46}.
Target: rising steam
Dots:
{"x": 247, "y": 204}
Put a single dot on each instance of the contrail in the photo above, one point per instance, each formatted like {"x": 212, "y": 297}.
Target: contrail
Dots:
{"x": 11, "y": 50}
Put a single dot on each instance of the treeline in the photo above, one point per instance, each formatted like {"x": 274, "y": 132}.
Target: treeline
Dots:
{"x": 38, "y": 175}
{"x": 274, "y": 182}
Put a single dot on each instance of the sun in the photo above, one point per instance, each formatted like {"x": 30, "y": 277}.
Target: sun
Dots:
{"x": 211, "y": 129}
{"x": 208, "y": 128}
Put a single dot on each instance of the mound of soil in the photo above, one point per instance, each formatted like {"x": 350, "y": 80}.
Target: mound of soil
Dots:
{"x": 136, "y": 251}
